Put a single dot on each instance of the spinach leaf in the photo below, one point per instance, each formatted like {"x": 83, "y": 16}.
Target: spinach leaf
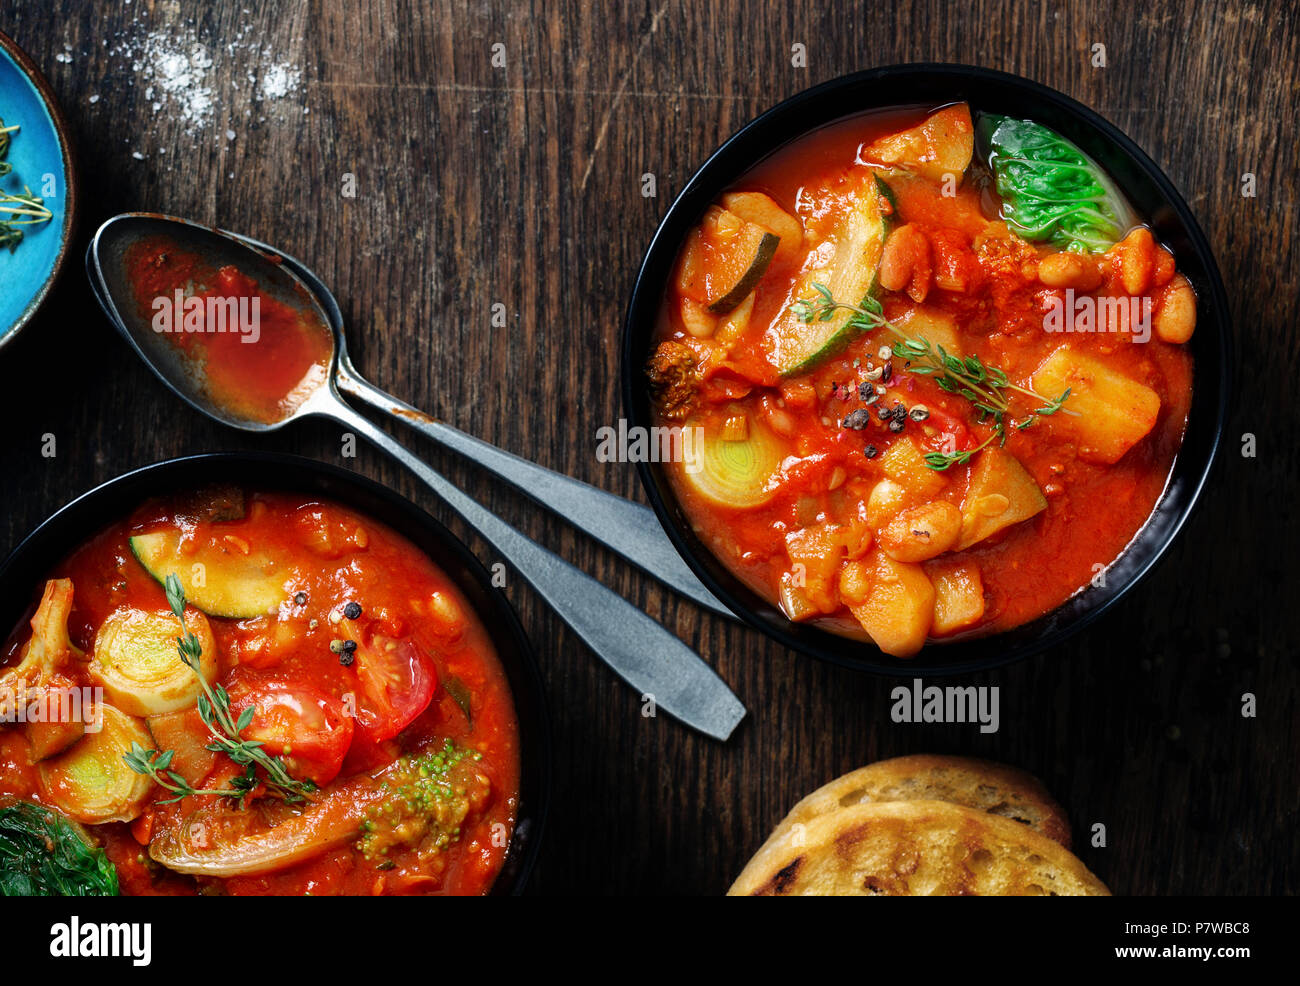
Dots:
{"x": 42, "y": 854}
{"x": 1051, "y": 191}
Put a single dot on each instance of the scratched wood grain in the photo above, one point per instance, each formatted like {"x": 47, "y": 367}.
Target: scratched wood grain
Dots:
{"x": 519, "y": 185}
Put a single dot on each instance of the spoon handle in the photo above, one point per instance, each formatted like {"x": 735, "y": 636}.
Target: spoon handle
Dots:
{"x": 659, "y": 666}
{"x": 628, "y": 528}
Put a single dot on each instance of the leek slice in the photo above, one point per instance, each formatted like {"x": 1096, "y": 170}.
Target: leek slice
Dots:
{"x": 734, "y": 472}
{"x": 137, "y": 662}
{"x": 222, "y": 840}
{"x": 92, "y": 782}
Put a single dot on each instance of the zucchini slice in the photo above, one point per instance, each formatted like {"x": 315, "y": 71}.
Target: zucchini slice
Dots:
{"x": 92, "y": 782}
{"x": 724, "y": 259}
{"x": 755, "y": 207}
{"x": 731, "y": 469}
{"x": 137, "y": 661}
{"x": 796, "y": 346}
{"x": 758, "y": 258}
{"x": 218, "y": 580}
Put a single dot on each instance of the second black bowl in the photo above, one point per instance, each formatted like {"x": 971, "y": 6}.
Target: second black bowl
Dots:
{"x": 24, "y": 571}
{"x": 1150, "y": 192}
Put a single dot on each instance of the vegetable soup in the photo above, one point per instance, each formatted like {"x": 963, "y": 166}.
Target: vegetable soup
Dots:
{"x": 242, "y": 692}
{"x": 933, "y": 393}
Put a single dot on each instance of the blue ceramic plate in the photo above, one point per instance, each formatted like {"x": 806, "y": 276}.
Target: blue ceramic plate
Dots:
{"x": 42, "y": 160}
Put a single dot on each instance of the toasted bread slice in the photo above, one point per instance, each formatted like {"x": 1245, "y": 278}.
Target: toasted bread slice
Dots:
{"x": 918, "y": 849}
{"x": 979, "y": 784}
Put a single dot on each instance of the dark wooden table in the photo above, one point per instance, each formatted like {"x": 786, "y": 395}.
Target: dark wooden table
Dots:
{"x": 520, "y": 185}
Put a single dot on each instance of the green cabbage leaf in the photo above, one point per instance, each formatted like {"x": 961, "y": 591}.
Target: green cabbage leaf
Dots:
{"x": 1051, "y": 191}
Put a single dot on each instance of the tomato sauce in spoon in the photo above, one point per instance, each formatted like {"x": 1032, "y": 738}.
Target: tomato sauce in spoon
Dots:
{"x": 254, "y": 356}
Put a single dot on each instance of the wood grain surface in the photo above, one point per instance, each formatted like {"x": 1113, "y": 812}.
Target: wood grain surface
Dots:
{"x": 520, "y": 185}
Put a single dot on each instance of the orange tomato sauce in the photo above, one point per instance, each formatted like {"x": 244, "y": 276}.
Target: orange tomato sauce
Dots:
{"x": 257, "y": 361}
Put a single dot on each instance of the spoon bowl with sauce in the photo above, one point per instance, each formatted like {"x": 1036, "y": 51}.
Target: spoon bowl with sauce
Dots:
{"x": 248, "y": 352}
{"x": 237, "y": 334}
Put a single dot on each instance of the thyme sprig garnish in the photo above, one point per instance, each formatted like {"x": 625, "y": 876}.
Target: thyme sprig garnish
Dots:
{"x": 987, "y": 388}
{"x": 28, "y": 208}
{"x": 225, "y": 729}
{"x": 5, "y": 166}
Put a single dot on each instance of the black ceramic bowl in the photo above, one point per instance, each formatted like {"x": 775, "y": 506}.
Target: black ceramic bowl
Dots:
{"x": 1154, "y": 198}
{"x": 24, "y": 571}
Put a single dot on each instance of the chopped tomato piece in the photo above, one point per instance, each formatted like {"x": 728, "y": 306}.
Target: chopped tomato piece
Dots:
{"x": 397, "y": 684}
{"x": 304, "y": 725}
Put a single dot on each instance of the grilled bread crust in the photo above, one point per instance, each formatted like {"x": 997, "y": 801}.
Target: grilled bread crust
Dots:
{"x": 916, "y": 848}
{"x": 979, "y": 784}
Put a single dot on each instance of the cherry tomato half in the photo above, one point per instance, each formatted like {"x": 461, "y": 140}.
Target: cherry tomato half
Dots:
{"x": 397, "y": 684}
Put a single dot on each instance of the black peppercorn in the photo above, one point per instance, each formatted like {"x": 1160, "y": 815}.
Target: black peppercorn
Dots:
{"x": 857, "y": 420}
{"x": 351, "y": 610}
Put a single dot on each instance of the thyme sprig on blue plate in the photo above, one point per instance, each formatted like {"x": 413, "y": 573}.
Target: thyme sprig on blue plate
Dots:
{"x": 988, "y": 388}
{"x": 5, "y": 131}
{"x": 17, "y": 209}
{"x": 225, "y": 728}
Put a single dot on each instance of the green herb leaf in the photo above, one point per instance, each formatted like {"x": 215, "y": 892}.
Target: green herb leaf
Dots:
{"x": 43, "y": 854}
{"x": 460, "y": 694}
{"x": 1051, "y": 190}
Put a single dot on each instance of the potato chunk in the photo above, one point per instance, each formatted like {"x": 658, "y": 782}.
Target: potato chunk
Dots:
{"x": 184, "y": 733}
{"x": 1111, "y": 412}
{"x": 958, "y": 596}
{"x": 794, "y": 600}
{"x": 1001, "y": 493}
{"x": 51, "y": 733}
{"x": 893, "y": 600}
{"x": 934, "y": 326}
{"x": 940, "y": 144}
{"x": 904, "y": 463}
{"x": 815, "y": 556}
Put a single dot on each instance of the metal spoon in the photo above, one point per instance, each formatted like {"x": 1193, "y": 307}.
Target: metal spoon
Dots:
{"x": 629, "y": 529}
{"x": 641, "y": 651}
